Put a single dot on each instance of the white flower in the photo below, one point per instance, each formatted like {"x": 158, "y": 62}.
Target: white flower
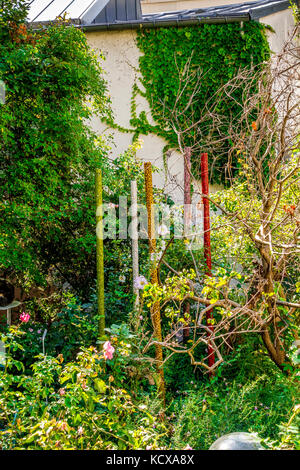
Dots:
{"x": 140, "y": 282}
{"x": 162, "y": 230}
{"x": 122, "y": 278}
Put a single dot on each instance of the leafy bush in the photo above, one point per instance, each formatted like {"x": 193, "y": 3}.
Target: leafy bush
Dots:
{"x": 290, "y": 432}
{"x": 48, "y": 151}
{"x": 75, "y": 326}
{"x": 75, "y": 405}
{"x": 211, "y": 411}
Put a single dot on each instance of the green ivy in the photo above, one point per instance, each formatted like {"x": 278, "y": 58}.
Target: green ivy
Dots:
{"x": 219, "y": 50}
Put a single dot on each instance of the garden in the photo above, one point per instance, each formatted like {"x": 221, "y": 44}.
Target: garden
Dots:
{"x": 141, "y": 324}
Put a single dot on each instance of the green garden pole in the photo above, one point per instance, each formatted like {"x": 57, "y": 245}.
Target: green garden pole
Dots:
{"x": 100, "y": 254}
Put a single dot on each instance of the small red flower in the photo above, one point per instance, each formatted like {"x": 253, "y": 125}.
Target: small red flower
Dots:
{"x": 289, "y": 209}
{"x": 25, "y": 317}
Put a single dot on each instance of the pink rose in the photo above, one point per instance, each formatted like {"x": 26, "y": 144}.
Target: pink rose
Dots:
{"x": 25, "y": 317}
{"x": 108, "y": 350}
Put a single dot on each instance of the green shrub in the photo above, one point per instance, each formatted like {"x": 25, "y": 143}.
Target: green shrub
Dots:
{"x": 258, "y": 406}
{"x": 48, "y": 152}
{"x": 74, "y": 405}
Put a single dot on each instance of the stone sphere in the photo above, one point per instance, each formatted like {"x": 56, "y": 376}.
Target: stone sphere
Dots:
{"x": 237, "y": 441}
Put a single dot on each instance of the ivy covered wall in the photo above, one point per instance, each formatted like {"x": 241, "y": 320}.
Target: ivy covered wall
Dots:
{"x": 219, "y": 50}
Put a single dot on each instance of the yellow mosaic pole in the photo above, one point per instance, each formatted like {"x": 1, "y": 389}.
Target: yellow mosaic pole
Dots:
{"x": 155, "y": 310}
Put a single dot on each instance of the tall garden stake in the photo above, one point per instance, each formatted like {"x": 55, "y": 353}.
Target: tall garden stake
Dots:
{"x": 100, "y": 254}
{"x": 155, "y": 311}
{"x": 207, "y": 248}
{"x": 187, "y": 217}
{"x": 134, "y": 240}
{"x": 187, "y": 188}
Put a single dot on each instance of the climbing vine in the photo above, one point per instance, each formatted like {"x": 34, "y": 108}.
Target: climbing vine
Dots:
{"x": 218, "y": 50}
{"x": 48, "y": 153}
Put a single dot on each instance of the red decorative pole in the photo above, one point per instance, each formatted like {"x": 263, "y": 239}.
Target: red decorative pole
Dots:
{"x": 207, "y": 249}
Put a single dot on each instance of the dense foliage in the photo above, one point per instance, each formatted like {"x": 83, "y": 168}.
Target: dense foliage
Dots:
{"x": 48, "y": 152}
{"x": 84, "y": 404}
{"x": 93, "y": 402}
{"x": 61, "y": 387}
{"x": 217, "y": 52}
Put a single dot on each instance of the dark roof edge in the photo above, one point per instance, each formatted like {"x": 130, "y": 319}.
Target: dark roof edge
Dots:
{"x": 260, "y": 12}
{"x": 161, "y": 23}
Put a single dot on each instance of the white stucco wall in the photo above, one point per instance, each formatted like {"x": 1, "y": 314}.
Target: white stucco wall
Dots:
{"x": 121, "y": 68}
{"x": 282, "y": 23}
{"x": 155, "y": 6}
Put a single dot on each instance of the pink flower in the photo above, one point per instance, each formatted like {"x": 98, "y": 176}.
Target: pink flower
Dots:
{"x": 188, "y": 448}
{"x": 25, "y": 317}
{"x": 108, "y": 350}
{"x": 63, "y": 426}
{"x": 84, "y": 385}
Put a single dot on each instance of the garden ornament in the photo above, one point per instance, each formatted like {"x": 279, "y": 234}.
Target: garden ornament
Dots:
{"x": 237, "y": 441}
